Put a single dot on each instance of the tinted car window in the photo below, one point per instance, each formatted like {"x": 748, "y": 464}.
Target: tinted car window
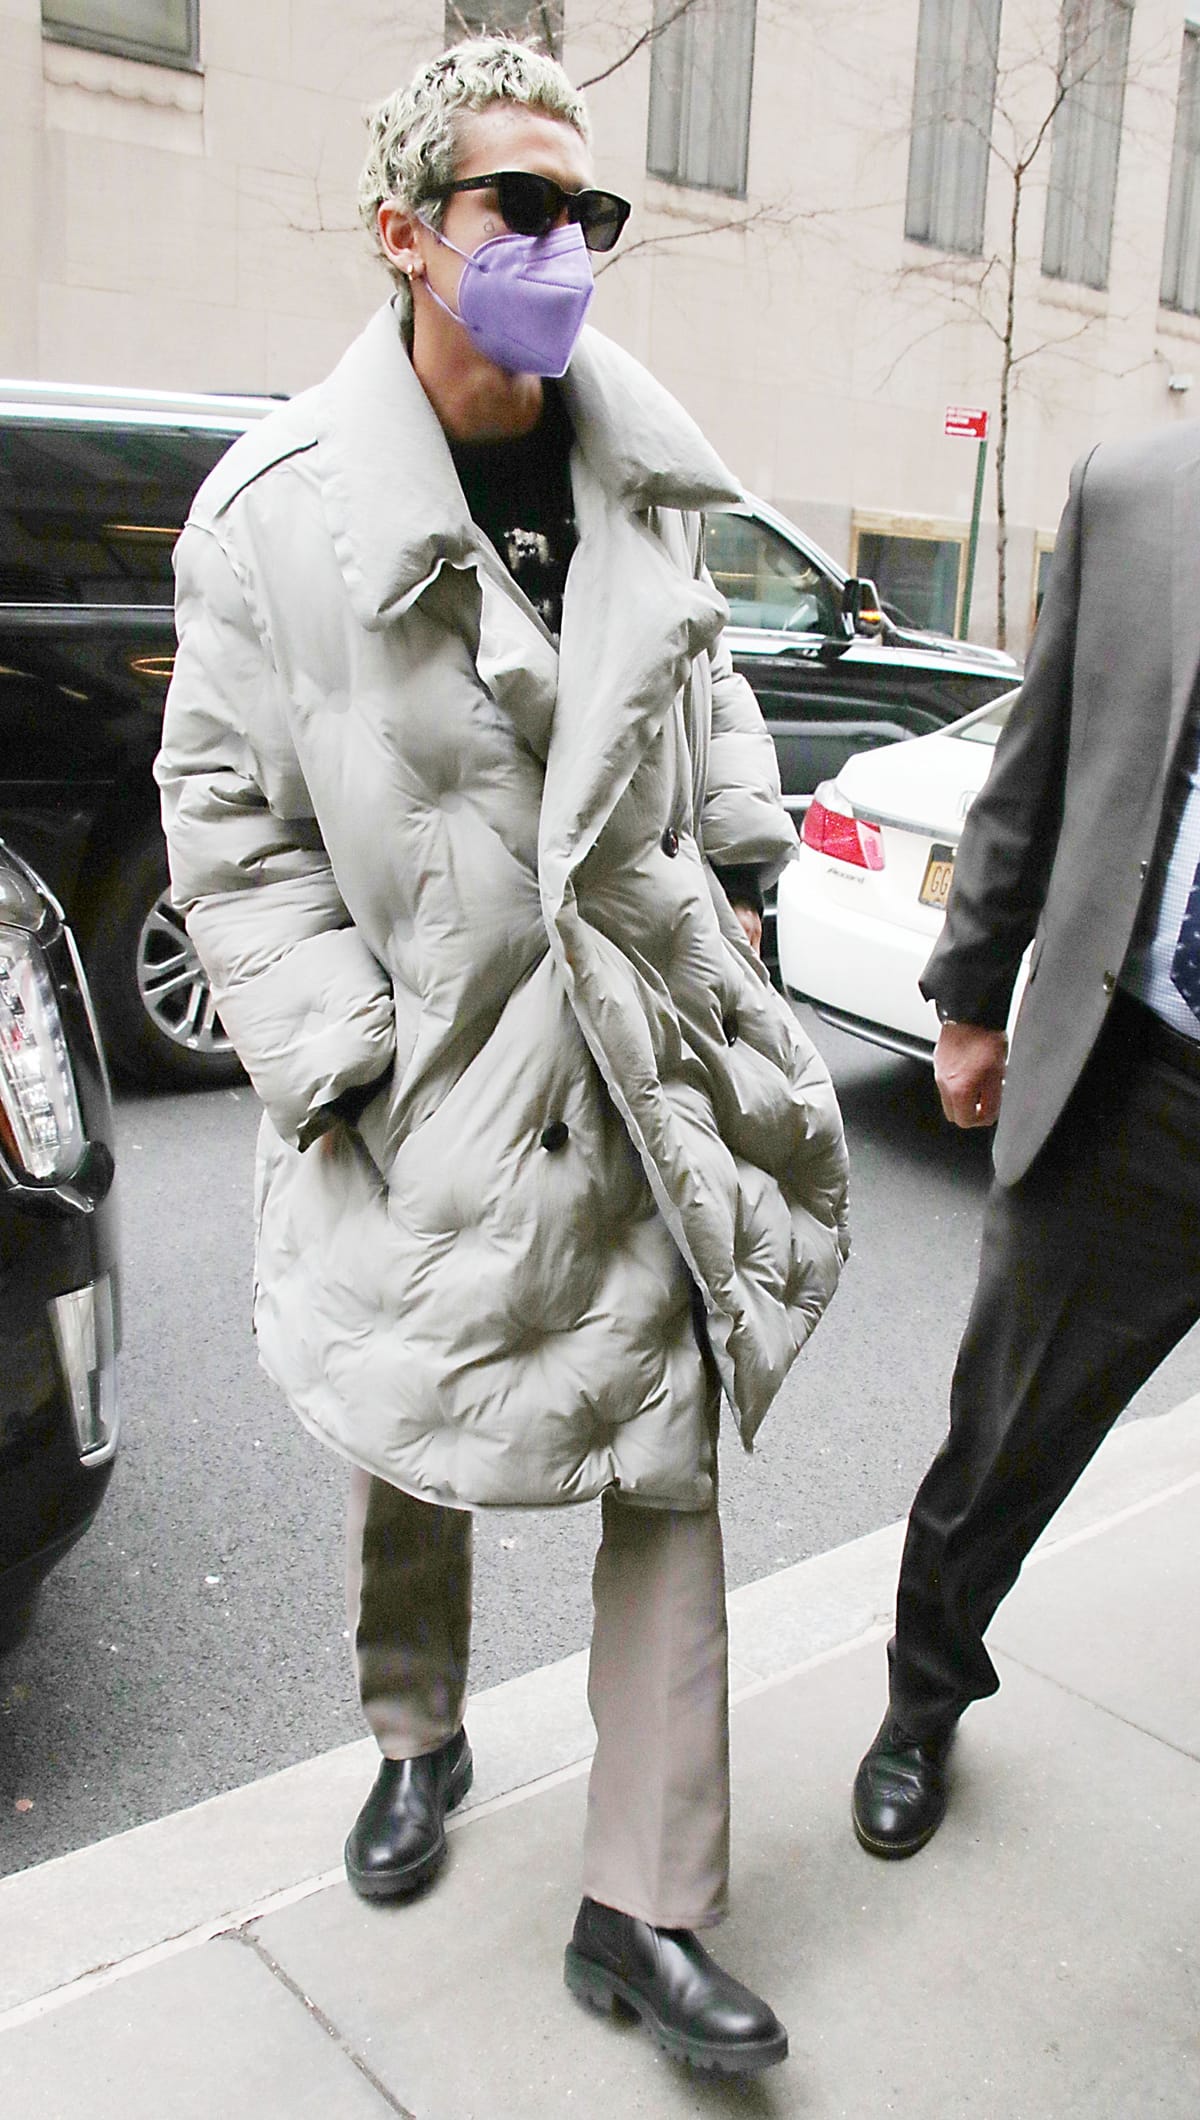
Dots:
{"x": 72, "y": 696}
{"x": 80, "y": 714}
{"x": 985, "y": 728}
{"x": 92, "y": 499}
{"x": 89, "y": 513}
{"x": 766, "y": 581}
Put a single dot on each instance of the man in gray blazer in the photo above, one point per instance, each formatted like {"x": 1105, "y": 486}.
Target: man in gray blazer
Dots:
{"x": 1085, "y": 841}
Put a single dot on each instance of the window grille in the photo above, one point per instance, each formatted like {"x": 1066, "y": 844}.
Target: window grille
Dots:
{"x": 1181, "y": 250}
{"x": 701, "y": 82}
{"x": 528, "y": 22}
{"x": 1086, "y": 146}
{"x": 166, "y": 31}
{"x": 919, "y": 574}
{"x": 954, "y": 94}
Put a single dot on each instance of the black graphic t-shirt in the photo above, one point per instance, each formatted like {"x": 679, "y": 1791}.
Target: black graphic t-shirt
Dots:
{"x": 519, "y": 493}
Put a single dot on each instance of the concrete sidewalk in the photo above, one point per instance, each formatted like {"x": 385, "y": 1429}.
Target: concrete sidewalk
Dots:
{"x": 1039, "y": 1961}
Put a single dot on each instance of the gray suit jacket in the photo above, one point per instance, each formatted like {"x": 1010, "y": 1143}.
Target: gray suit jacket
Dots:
{"x": 1058, "y": 845}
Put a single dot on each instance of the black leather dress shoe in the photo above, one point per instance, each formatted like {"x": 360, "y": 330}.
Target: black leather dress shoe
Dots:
{"x": 398, "y": 1840}
{"x": 696, "y": 2012}
{"x": 900, "y": 1790}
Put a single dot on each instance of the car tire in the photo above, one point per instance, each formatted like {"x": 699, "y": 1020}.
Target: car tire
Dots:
{"x": 151, "y": 994}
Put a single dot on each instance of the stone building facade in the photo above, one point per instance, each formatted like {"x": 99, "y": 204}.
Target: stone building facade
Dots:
{"x": 820, "y": 259}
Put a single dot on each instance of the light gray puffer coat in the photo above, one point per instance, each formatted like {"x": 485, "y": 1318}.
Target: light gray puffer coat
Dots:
{"x": 415, "y": 840}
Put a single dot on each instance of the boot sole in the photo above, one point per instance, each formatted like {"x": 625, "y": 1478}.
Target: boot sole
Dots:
{"x": 607, "y": 1992}
{"x": 403, "y": 1882}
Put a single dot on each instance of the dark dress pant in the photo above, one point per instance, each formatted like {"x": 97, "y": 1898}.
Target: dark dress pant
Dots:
{"x": 1089, "y": 1275}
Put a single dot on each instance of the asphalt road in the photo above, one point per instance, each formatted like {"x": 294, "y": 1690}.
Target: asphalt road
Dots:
{"x": 194, "y": 1640}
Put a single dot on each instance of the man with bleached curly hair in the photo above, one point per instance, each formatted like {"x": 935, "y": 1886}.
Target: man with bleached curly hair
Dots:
{"x": 471, "y": 817}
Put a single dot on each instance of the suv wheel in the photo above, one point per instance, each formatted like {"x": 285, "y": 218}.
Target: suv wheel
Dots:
{"x": 152, "y": 996}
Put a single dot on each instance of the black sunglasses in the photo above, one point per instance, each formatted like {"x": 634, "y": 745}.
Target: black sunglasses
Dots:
{"x": 530, "y": 205}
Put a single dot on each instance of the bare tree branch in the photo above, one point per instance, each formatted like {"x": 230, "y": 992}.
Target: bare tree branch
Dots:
{"x": 1057, "y": 341}
{"x": 776, "y": 215}
{"x": 921, "y": 340}
{"x": 648, "y": 36}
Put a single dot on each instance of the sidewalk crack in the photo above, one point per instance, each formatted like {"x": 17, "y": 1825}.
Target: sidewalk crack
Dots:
{"x": 1076, "y": 1693}
{"x": 255, "y": 1944}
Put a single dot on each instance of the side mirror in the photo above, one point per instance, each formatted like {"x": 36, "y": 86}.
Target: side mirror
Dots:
{"x": 861, "y": 607}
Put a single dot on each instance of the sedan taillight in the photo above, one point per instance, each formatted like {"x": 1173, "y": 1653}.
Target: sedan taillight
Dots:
{"x": 41, "y": 1131}
{"x": 830, "y": 828}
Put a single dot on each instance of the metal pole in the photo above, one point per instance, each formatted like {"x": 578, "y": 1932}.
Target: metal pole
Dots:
{"x": 968, "y": 585}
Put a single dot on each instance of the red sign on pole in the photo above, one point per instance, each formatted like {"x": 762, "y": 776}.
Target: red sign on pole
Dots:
{"x": 968, "y": 422}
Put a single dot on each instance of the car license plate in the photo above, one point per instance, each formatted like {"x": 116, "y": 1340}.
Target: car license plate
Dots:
{"x": 935, "y": 888}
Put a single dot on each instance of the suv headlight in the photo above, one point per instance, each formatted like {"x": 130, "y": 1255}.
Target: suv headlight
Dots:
{"x": 41, "y": 1130}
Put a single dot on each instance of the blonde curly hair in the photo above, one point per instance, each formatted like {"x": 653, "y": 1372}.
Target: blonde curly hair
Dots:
{"x": 413, "y": 143}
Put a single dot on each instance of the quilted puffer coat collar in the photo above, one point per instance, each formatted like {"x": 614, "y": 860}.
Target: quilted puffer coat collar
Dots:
{"x": 394, "y": 504}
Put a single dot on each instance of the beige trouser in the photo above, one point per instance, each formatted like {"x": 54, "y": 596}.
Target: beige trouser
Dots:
{"x": 657, "y": 1837}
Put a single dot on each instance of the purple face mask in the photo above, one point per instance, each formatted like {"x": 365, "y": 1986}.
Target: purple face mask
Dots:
{"x": 522, "y": 299}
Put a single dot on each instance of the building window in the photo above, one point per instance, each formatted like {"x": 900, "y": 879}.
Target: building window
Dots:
{"x": 165, "y": 31}
{"x": 916, "y": 567}
{"x": 701, "y": 77}
{"x": 953, "y": 96}
{"x": 1093, "y": 60}
{"x": 1043, "y": 553}
{"x": 1181, "y": 251}
{"x": 528, "y": 22}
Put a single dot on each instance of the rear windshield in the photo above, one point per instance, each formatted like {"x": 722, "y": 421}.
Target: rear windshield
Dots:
{"x": 986, "y": 727}
{"x": 89, "y": 513}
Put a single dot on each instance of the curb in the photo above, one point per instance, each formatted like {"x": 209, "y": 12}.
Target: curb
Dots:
{"x": 86, "y": 1919}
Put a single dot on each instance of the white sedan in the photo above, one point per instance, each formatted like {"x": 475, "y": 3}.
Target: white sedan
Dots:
{"x": 861, "y": 907}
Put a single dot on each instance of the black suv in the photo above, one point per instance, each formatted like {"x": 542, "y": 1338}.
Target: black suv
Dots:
{"x": 835, "y": 671}
{"x": 94, "y": 487}
{"x": 59, "y": 1294}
